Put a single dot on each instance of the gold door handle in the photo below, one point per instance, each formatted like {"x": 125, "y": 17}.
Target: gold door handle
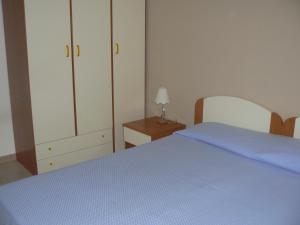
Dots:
{"x": 67, "y": 51}
{"x": 117, "y": 49}
{"x": 78, "y": 50}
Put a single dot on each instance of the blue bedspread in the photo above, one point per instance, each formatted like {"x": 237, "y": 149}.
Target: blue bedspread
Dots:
{"x": 174, "y": 181}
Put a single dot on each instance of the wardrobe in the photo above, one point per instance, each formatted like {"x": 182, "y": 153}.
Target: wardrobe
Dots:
{"x": 76, "y": 73}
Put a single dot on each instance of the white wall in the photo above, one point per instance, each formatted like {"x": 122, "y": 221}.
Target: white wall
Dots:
{"x": 243, "y": 48}
{"x": 7, "y": 145}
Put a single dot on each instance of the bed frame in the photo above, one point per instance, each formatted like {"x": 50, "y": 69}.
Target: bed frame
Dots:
{"x": 245, "y": 114}
{"x": 297, "y": 128}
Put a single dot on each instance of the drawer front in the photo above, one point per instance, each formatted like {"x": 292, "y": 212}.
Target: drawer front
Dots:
{"x": 72, "y": 158}
{"x": 135, "y": 138}
{"x": 64, "y": 146}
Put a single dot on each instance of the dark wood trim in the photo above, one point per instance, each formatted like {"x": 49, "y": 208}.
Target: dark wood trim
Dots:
{"x": 145, "y": 66}
{"x": 128, "y": 145}
{"x": 19, "y": 85}
{"x": 199, "y": 111}
{"x": 112, "y": 73}
{"x": 280, "y": 127}
{"x": 8, "y": 158}
{"x": 276, "y": 123}
{"x": 289, "y": 127}
{"x": 73, "y": 68}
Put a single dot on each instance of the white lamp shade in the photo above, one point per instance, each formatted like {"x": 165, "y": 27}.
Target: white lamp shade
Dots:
{"x": 162, "y": 96}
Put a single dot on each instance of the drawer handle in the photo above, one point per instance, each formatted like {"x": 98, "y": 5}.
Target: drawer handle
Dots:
{"x": 51, "y": 164}
{"x": 103, "y": 136}
{"x": 50, "y": 149}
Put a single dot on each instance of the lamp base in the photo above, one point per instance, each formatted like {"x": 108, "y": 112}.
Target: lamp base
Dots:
{"x": 163, "y": 115}
{"x": 163, "y": 121}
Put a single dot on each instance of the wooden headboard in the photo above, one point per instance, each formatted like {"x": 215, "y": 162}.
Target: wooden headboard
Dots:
{"x": 245, "y": 114}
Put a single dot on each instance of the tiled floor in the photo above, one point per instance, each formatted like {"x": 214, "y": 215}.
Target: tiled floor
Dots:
{"x": 12, "y": 171}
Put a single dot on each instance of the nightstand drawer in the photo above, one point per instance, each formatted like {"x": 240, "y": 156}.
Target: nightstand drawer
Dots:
{"x": 135, "y": 138}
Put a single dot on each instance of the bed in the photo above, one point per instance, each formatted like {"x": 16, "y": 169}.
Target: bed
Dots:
{"x": 226, "y": 170}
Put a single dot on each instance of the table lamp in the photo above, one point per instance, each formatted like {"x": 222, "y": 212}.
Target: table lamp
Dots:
{"x": 162, "y": 98}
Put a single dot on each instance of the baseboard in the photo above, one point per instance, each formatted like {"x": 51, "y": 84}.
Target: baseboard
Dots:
{"x": 7, "y": 158}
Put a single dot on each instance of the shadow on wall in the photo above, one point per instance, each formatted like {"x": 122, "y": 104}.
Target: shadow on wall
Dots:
{"x": 7, "y": 145}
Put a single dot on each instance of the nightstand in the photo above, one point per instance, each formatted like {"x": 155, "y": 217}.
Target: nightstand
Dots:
{"x": 146, "y": 130}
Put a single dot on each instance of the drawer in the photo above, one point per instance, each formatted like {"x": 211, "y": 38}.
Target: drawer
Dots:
{"x": 135, "y": 138}
{"x": 72, "y": 158}
{"x": 68, "y": 145}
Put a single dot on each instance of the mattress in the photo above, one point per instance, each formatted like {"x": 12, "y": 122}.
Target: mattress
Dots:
{"x": 176, "y": 180}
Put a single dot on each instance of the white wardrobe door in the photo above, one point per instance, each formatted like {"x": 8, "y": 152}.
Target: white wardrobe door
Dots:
{"x": 92, "y": 52}
{"x": 50, "y": 68}
{"x": 129, "y": 63}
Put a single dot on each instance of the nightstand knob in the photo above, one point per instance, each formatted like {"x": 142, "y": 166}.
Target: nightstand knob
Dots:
{"x": 51, "y": 164}
{"x": 50, "y": 149}
{"x": 103, "y": 136}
